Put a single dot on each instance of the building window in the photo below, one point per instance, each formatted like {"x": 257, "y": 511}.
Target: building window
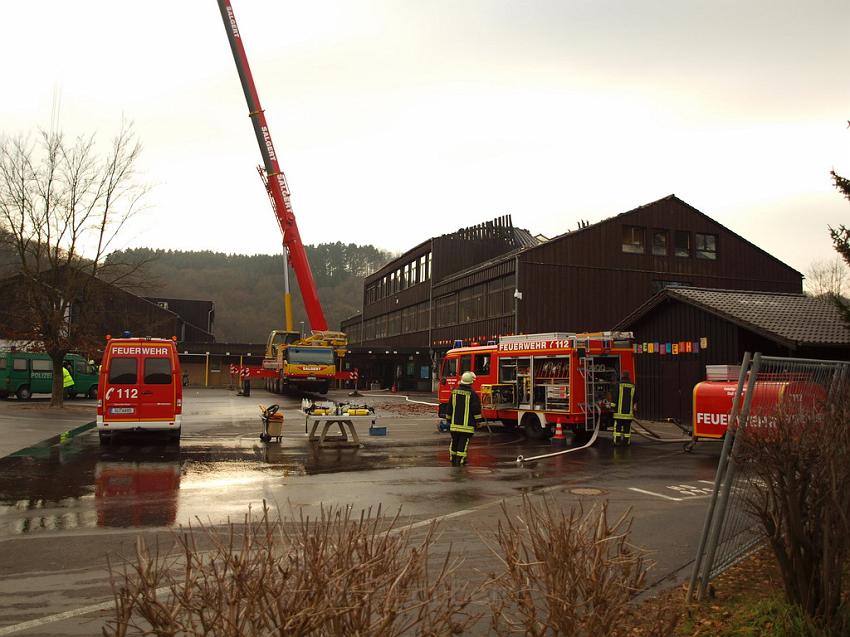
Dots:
{"x": 394, "y": 324}
{"x": 633, "y": 239}
{"x": 682, "y": 243}
{"x": 428, "y": 266}
{"x": 408, "y": 320}
{"x": 660, "y": 241}
{"x": 706, "y": 245}
{"x": 446, "y": 308}
{"x": 381, "y": 327}
{"x": 471, "y": 303}
{"x": 422, "y": 316}
{"x": 500, "y": 294}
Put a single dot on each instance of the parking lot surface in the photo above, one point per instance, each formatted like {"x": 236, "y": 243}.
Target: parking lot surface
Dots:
{"x": 66, "y": 501}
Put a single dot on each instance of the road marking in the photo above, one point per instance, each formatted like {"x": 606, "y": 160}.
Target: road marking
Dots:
{"x": 688, "y": 492}
{"x": 68, "y": 614}
{"x": 657, "y": 495}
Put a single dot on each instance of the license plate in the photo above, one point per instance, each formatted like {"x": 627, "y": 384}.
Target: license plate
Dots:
{"x": 311, "y": 378}
{"x": 121, "y": 410}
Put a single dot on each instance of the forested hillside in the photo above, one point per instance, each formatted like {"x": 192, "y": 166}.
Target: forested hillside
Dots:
{"x": 248, "y": 290}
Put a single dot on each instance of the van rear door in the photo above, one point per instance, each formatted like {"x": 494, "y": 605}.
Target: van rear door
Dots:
{"x": 121, "y": 398}
{"x": 157, "y": 389}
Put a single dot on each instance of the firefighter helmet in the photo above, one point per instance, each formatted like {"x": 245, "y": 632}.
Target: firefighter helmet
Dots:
{"x": 467, "y": 378}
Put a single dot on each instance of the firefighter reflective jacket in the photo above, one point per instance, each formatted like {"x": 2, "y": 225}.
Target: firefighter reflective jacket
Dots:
{"x": 464, "y": 410}
{"x": 625, "y": 402}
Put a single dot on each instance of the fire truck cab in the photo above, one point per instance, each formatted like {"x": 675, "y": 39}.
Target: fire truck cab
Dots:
{"x": 536, "y": 381}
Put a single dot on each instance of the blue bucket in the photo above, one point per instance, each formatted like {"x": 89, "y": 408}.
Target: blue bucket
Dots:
{"x": 377, "y": 431}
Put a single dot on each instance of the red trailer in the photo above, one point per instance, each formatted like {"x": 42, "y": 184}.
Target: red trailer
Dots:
{"x": 772, "y": 394}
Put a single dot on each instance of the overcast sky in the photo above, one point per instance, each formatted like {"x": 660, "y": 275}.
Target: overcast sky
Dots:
{"x": 399, "y": 120}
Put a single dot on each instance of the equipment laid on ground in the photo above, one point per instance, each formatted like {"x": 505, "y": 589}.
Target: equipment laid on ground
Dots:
{"x": 272, "y": 423}
{"x": 344, "y": 415}
{"x": 537, "y": 381}
{"x": 292, "y": 360}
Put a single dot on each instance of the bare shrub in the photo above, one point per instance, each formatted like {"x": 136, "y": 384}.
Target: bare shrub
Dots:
{"x": 799, "y": 464}
{"x": 333, "y": 575}
{"x": 566, "y": 573}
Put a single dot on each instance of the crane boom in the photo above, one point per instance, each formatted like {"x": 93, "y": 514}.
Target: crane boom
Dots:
{"x": 275, "y": 179}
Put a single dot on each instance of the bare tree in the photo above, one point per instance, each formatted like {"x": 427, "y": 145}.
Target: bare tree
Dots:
{"x": 62, "y": 205}
{"x": 827, "y": 277}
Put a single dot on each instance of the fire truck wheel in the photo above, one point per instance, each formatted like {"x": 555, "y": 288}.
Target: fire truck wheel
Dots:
{"x": 323, "y": 388}
{"x": 533, "y": 429}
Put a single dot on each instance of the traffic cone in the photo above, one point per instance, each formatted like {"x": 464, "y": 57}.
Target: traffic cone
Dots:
{"x": 559, "y": 438}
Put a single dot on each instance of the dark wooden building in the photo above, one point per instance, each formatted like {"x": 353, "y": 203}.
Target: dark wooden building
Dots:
{"x": 591, "y": 278}
{"x": 111, "y": 310}
{"x": 391, "y": 339}
{"x": 716, "y": 327}
{"x": 198, "y": 316}
{"x": 496, "y": 280}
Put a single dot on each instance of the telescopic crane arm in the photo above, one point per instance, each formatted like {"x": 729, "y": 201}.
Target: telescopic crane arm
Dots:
{"x": 274, "y": 178}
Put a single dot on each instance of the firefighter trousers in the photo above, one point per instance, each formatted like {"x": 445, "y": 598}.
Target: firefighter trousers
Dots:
{"x": 459, "y": 447}
{"x": 622, "y": 431}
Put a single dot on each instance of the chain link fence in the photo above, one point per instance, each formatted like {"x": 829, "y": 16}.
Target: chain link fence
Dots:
{"x": 767, "y": 388}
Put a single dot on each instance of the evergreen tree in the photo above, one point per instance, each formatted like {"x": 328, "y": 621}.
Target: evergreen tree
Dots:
{"x": 841, "y": 236}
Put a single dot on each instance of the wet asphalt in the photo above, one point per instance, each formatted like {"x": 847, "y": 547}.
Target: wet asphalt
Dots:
{"x": 67, "y": 501}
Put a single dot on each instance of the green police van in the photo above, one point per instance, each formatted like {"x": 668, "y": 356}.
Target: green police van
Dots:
{"x": 26, "y": 373}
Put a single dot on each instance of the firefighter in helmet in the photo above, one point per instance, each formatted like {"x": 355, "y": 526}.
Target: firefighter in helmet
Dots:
{"x": 464, "y": 413}
{"x": 625, "y": 411}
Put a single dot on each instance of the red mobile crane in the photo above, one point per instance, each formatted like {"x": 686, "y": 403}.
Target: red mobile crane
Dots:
{"x": 291, "y": 359}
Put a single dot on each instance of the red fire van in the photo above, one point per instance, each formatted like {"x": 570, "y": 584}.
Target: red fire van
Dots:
{"x": 140, "y": 387}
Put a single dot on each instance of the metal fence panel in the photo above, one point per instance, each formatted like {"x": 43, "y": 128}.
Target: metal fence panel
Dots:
{"x": 767, "y": 386}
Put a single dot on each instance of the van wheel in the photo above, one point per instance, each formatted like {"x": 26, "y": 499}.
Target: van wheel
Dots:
{"x": 174, "y": 436}
{"x": 105, "y": 438}
{"x": 93, "y": 392}
{"x": 23, "y": 392}
{"x": 533, "y": 429}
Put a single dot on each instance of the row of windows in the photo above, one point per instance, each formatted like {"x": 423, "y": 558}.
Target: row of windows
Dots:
{"x": 684, "y": 243}
{"x": 487, "y": 300}
{"x": 413, "y": 273}
{"x": 478, "y": 302}
{"x": 403, "y": 321}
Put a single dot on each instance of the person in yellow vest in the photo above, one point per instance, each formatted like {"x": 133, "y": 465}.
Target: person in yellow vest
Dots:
{"x": 67, "y": 382}
{"x": 464, "y": 413}
{"x": 625, "y": 411}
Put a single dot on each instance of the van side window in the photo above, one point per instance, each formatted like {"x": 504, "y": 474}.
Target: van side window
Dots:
{"x": 157, "y": 371}
{"x": 41, "y": 365}
{"x": 122, "y": 371}
{"x": 81, "y": 367}
{"x": 19, "y": 364}
{"x": 465, "y": 363}
{"x": 2, "y": 363}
